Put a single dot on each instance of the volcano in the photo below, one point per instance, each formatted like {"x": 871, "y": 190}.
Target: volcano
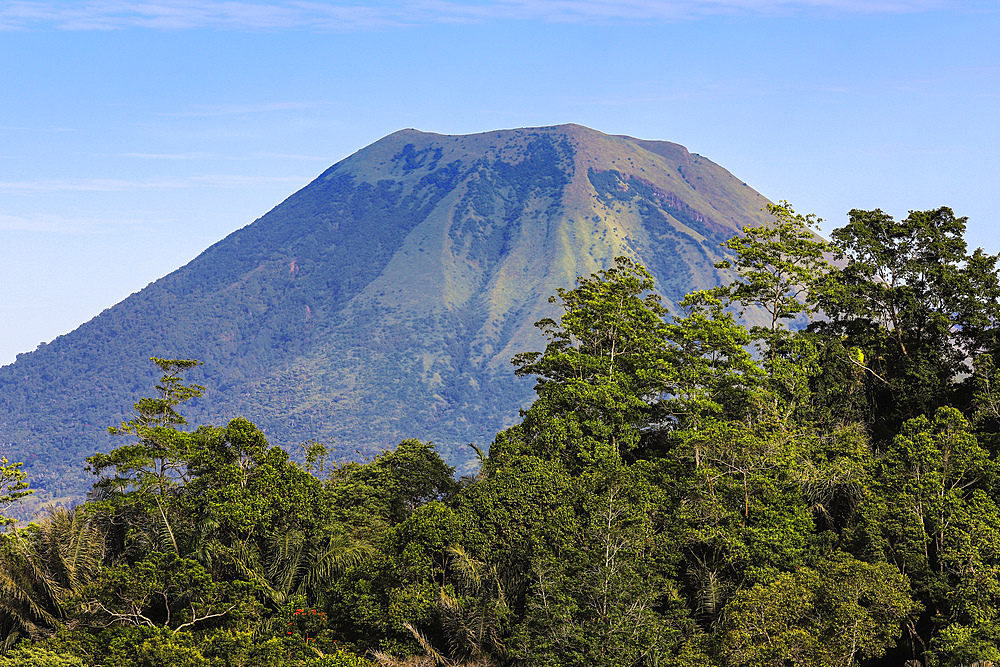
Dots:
{"x": 385, "y": 299}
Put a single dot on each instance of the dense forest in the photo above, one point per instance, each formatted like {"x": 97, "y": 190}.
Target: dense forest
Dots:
{"x": 684, "y": 490}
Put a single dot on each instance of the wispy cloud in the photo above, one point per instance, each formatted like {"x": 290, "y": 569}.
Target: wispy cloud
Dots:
{"x": 64, "y": 225}
{"x": 182, "y": 15}
{"x": 124, "y": 185}
{"x": 25, "y": 128}
{"x": 349, "y": 15}
{"x": 240, "y": 109}
{"x": 292, "y": 156}
{"x": 200, "y": 155}
{"x": 602, "y": 11}
{"x": 171, "y": 156}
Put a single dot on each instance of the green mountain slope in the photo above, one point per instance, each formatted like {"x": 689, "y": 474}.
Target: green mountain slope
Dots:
{"x": 385, "y": 299}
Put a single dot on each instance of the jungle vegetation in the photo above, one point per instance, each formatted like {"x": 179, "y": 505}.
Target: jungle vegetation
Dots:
{"x": 684, "y": 490}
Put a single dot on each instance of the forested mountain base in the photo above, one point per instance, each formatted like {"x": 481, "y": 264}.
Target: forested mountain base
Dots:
{"x": 683, "y": 491}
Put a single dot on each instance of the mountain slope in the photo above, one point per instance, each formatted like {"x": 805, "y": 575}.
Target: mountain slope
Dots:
{"x": 385, "y": 299}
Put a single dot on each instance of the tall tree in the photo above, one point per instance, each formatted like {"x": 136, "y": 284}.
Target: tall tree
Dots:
{"x": 157, "y": 459}
{"x": 914, "y": 305}
{"x": 713, "y": 376}
{"x": 780, "y": 267}
{"x": 603, "y": 372}
{"x": 832, "y": 616}
{"x": 43, "y": 567}
{"x": 936, "y": 519}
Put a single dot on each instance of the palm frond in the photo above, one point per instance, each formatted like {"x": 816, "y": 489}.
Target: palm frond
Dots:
{"x": 468, "y": 568}
{"x": 19, "y": 601}
{"x": 248, "y": 564}
{"x": 73, "y": 547}
{"x": 285, "y": 565}
{"x": 331, "y": 558}
{"x": 431, "y": 652}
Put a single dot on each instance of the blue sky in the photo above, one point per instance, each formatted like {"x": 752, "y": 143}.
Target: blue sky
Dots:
{"x": 135, "y": 134}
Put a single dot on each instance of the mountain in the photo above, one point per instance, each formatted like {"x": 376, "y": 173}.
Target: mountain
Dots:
{"x": 385, "y": 299}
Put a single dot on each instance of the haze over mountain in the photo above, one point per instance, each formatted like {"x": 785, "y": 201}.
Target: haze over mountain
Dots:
{"x": 385, "y": 299}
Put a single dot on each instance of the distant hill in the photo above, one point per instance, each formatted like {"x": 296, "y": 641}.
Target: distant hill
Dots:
{"x": 385, "y": 299}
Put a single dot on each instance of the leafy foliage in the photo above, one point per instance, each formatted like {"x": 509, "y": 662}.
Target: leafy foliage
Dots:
{"x": 13, "y": 488}
{"x": 670, "y": 498}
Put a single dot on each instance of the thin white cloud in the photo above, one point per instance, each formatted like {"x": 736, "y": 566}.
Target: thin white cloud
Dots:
{"x": 170, "y": 156}
{"x": 63, "y": 225}
{"x": 292, "y": 156}
{"x": 240, "y": 109}
{"x": 22, "y": 128}
{"x": 110, "y": 15}
{"x": 346, "y": 15}
{"x": 124, "y": 185}
{"x": 238, "y": 181}
{"x": 200, "y": 155}
{"x": 181, "y": 15}
{"x": 603, "y": 11}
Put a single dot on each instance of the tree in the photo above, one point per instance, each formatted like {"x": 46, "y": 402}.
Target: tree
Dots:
{"x": 476, "y": 615}
{"x": 915, "y": 305}
{"x": 831, "y": 616}
{"x": 598, "y": 588}
{"x": 241, "y": 489}
{"x": 611, "y": 328}
{"x": 567, "y": 494}
{"x": 394, "y": 485}
{"x": 603, "y": 372}
{"x": 13, "y": 488}
{"x": 781, "y": 270}
{"x": 742, "y": 515}
{"x": 162, "y": 590}
{"x": 152, "y": 467}
{"x": 936, "y": 519}
{"x": 158, "y": 459}
{"x": 780, "y": 267}
{"x": 292, "y": 565}
{"x": 45, "y": 565}
{"x": 713, "y": 376}
{"x": 27, "y": 655}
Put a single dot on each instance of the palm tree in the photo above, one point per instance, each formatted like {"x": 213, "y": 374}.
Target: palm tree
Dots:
{"x": 292, "y": 565}
{"x": 475, "y": 618}
{"x": 42, "y": 567}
